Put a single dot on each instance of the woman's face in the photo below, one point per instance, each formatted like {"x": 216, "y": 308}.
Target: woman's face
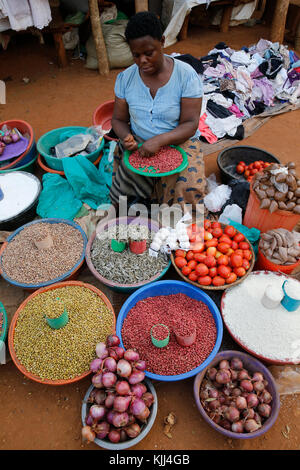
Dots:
{"x": 147, "y": 54}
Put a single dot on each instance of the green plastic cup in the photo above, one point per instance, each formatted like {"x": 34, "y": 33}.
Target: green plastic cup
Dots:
{"x": 117, "y": 246}
{"x": 160, "y": 343}
{"x": 59, "y": 322}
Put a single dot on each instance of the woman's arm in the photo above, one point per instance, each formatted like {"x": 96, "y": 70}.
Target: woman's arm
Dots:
{"x": 187, "y": 127}
{"x": 120, "y": 124}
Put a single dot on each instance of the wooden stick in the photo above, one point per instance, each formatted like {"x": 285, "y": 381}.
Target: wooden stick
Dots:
{"x": 278, "y": 22}
{"x": 103, "y": 64}
{"x": 226, "y": 17}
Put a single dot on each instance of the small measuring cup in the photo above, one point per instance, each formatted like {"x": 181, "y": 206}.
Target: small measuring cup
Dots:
{"x": 288, "y": 302}
{"x": 58, "y": 322}
{"x": 160, "y": 343}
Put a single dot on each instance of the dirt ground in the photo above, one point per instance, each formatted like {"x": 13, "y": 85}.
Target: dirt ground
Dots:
{"x": 38, "y": 417}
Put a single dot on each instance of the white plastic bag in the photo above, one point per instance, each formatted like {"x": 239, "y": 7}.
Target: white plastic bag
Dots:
{"x": 215, "y": 200}
{"x": 232, "y": 212}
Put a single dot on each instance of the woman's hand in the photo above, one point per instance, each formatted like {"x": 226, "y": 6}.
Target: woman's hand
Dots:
{"x": 150, "y": 146}
{"x": 129, "y": 143}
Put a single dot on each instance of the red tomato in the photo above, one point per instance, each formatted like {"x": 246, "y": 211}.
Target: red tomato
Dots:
{"x": 210, "y": 261}
{"x": 213, "y": 272}
{"x": 257, "y": 165}
{"x": 223, "y": 259}
{"x": 217, "y": 232}
{"x": 204, "y": 280}
{"x": 229, "y": 252}
{"x": 225, "y": 239}
{"x": 192, "y": 264}
{"x": 242, "y": 163}
{"x": 240, "y": 169}
{"x": 244, "y": 246}
{"x": 201, "y": 269}
{"x": 207, "y": 224}
{"x": 231, "y": 278}
{"x": 253, "y": 172}
{"x": 230, "y": 231}
{"x": 197, "y": 247}
{"x": 216, "y": 225}
{"x": 236, "y": 260}
{"x": 239, "y": 237}
{"x": 239, "y": 252}
{"x": 186, "y": 270}
{"x": 218, "y": 281}
{"x": 180, "y": 261}
{"x": 200, "y": 257}
{"x": 190, "y": 255}
{"x": 180, "y": 253}
{"x": 212, "y": 242}
{"x": 223, "y": 247}
{"x": 240, "y": 271}
{"x": 193, "y": 276}
{"x": 224, "y": 271}
{"x": 246, "y": 264}
{"x": 247, "y": 173}
{"x": 211, "y": 251}
{"x": 247, "y": 255}
{"x": 234, "y": 245}
{"x": 207, "y": 235}
{"x": 218, "y": 254}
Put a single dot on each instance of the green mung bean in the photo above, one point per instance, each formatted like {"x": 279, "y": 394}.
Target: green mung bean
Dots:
{"x": 65, "y": 353}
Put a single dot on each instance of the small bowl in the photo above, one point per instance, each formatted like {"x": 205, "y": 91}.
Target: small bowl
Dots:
{"x": 228, "y": 159}
{"x": 106, "y": 444}
{"x": 102, "y": 117}
{"x": 252, "y": 365}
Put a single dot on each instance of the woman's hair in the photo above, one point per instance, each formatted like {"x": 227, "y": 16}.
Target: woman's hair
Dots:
{"x": 143, "y": 24}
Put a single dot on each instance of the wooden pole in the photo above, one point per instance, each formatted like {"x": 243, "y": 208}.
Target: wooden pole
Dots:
{"x": 226, "y": 17}
{"x": 98, "y": 38}
{"x": 141, "y": 5}
{"x": 278, "y": 22}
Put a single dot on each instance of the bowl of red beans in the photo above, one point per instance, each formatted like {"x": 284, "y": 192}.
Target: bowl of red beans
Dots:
{"x": 193, "y": 320}
{"x": 237, "y": 395}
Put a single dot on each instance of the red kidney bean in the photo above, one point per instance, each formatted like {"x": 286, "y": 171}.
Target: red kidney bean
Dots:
{"x": 166, "y": 159}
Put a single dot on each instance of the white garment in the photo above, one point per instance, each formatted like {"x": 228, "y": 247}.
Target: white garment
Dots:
{"x": 218, "y": 98}
{"x": 25, "y": 13}
{"x": 221, "y": 127}
{"x": 241, "y": 57}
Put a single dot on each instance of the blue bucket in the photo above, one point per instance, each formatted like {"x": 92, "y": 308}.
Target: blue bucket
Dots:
{"x": 166, "y": 288}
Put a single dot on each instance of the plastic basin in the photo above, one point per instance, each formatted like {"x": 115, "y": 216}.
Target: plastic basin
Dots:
{"x": 167, "y": 288}
{"x": 231, "y": 156}
{"x": 25, "y": 128}
{"x": 68, "y": 275}
{"x": 54, "y": 137}
{"x": 252, "y": 365}
{"x": 106, "y": 444}
{"x": 102, "y": 117}
{"x": 115, "y": 286}
{"x": 264, "y": 264}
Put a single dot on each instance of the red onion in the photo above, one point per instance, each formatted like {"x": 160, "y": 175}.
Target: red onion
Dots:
{"x": 133, "y": 430}
{"x": 99, "y": 397}
{"x": 87, "y": 434}
{"x": 112, "y": 353}
{"x": 264, "y": 410}
{"x": 223, "y": 376}
{"x": 138, "y": 390}
{"x": 148, "y": 399}
{"x": 109, "y": 401}
{"x": 101, "y": 350}
{"x": 265, "y": 397}
{"x": 140, "y": 365}
{"x": 213, "y": 393}
{"x": 136, "y": 376}
{"x": 236, "y": 364}
{"x": 224, "y": 364}
{"x": 97, "y": 411}
{"x": 241, "y": 403}
{"x": 120, "y": 420}
{"x": 246, "y": 385}
{"x": 121, "y": 403}
{"x": 204, "y": 394}
{"x": 216, "y": 385}
{"x": 123, "y": 368}
{"x": 131, "y": 355}
{"x": 15, "y": 137}
{"x": 109, "y": 416}
{"x": 251, "y": 425}
{"x": 225, "y": 424}
{"x": 144, "y": 415}
{"x": 211, "y": 373}
{"x": 123, "y": 435}
{"x": 123, "y": 387}
{"x": 95, "y": 364}
{"x": 236, "y": 392}
{"x": 131, "y": 418}
{"x": 114, "y": 436}
{"x": 248, "y": 413}
{"x": 227, "y": 391}
{"x": 234, "y": 374}
{"x": 102, "y": 429}
{"x": 238, "y": 426}
{"x": 216, "y": 418}
{"x": 97, "y": 380}
{"x": 258, "y": 386}
{"x": 222, "y": 399}
{"x": 7, "y": 139}
{"x": 257, "y": 418}
{"x": 232, "y": 414}
{"x": 252, "y": 400}
{"x": 243, "y": 375}
{"x": 214, "y": 405}
{"x": 110, "y": 364}
{"x": 109, "y": 379}
{"x": 112, "y": 340}
{"x": 257, "y": 377}
{"x": 137, "y": 406}
{"x": 120, "y": 352}
{"x": 89, "y": 420}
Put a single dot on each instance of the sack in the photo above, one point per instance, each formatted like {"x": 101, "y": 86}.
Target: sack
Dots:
{"x": 118, "y": 51}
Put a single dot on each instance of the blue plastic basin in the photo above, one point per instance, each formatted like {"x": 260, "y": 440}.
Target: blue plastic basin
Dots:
{"x": 167, "y": 288}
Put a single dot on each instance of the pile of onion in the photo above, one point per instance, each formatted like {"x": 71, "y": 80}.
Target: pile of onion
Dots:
{"x": 119, "y": 404}
{"x": 9, "y": 136}
{"x": 234, "y": 398}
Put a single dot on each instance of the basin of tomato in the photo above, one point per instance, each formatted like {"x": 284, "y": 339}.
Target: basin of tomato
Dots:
{"x": 219, "y": 256}
{"x": 250, "y": 170}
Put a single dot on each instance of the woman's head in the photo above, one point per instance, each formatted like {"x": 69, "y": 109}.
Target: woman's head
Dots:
{"x": 144, "y": 36}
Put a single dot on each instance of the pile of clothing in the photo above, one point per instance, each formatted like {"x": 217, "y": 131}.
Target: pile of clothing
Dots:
{"x": 238, "y": 85}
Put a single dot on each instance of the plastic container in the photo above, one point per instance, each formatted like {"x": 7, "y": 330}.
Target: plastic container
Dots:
{"x": 115, "y": 286}
{"x": 102, "y": 117}
{"x": 106, "y": 444}
{"x": 160, "y": 343}
{"x": 252, "y": 365}
{"x": 228, "y": 159}
{"x": 25, "y": 128}
{"x": 68, "y": 275}
{"x": 11, "y": 331}
{"x": 44, "y": 167}
{"x": 166, "y": 288}
{"x": 263, "y": 220}
{"x": 288, "y": 302}
{"x": 54, "y": 137}
{"x": 262, "y": 263}
{"x": 28, "y": 167}
{"x": 3, "y": 323}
